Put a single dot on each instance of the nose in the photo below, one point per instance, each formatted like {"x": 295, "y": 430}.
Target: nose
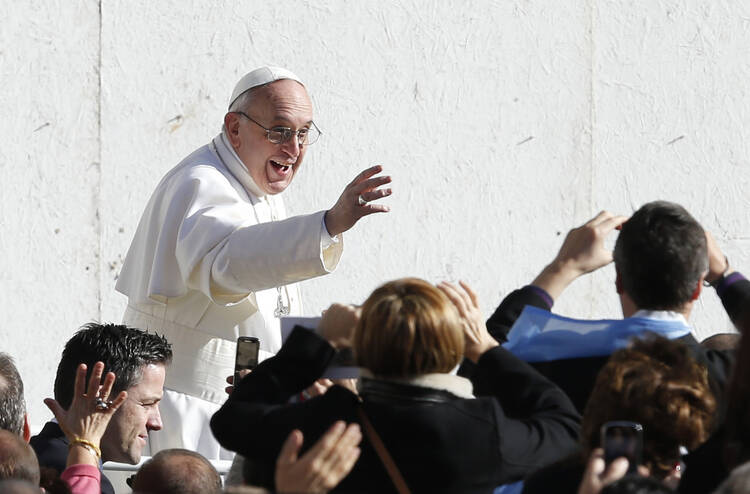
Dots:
{"x": 291, "y": 147}
{"x": 153, "y": 422}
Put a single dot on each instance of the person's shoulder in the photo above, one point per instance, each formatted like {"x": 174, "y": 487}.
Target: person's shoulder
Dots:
{"x": 562, "y": 476}
{"x": 51, "y": 447}
{"x": 203, "y": 163}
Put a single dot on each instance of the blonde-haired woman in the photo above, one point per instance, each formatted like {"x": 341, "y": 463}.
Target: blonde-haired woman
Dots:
{"x": 439, "y": 432}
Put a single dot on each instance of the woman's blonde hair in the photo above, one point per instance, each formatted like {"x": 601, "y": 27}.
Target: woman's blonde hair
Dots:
{"x": 408, "y": 327}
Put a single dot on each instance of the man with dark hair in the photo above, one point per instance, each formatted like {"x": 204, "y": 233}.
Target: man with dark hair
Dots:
{"x": 177, "y": 471}
{"x": 12, "y": 405}
{"x": 139, "y": 361}
{"x": 17, "y": 459}
{"x": 662, "y": 258}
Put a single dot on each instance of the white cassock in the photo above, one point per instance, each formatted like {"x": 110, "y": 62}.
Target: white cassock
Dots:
{"x": 213, "y": 258}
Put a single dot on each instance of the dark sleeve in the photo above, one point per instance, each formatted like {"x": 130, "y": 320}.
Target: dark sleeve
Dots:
{"x": 245, "y": 423}
{"x": 499, "y": 323}
{"x": 539, "y": 423}
{"x": 734, "y": 293}
{"x": 511, "y": 307}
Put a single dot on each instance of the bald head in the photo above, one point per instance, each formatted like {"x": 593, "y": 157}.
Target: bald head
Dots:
{"x": 18, "y": 487}
{"x": 177, "y": 471}
{"x": 17, "y": 459}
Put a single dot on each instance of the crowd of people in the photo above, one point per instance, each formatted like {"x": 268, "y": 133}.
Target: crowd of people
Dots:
{"x": 445, "y": 402}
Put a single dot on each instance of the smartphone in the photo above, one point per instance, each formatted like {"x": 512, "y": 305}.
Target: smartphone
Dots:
{"x": 623, "y": 438}
{"x": 247, "y": 355}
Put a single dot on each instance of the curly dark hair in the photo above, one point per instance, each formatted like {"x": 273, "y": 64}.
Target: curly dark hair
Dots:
{"x": 658, "y": 383}
{"x": 660, "y": 256}
{"x": 124, "y": 351}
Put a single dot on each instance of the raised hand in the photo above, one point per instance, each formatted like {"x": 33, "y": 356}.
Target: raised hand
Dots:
{"x": 355, "y": 201}
{"x": 85, "y": 421}
{"x": 323, "y": 466}
{"x": 478, "y": 339}
{"x": 582, "y": 251}
{"x": 337, "y": 324}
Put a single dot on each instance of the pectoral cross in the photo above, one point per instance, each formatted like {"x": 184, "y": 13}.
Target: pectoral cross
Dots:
{"x": 281, "y": 308}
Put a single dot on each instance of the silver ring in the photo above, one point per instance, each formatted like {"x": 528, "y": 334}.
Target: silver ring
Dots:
{"x": 102, "y": 405}
{"x": 361, "y": 200}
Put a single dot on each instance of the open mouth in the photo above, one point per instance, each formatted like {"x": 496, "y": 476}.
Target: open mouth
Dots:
{"x": 281, "y": 167}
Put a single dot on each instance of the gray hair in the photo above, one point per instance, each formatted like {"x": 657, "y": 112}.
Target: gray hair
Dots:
{"x": 12, "y": 404}
{"x": 243, "y": 101}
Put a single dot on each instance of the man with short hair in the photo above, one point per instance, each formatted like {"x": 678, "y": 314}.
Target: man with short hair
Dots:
{"x": 138, "y": 359}
{"x": 17, "y": 459}
{"x": 13, "y": 416}
{"x": 662, "y": 257}
{"x": 177, "y": 471}
{"x": 215, "y": 256}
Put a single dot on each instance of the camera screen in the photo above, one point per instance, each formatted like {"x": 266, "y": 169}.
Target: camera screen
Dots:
{"x": 623, "y": 440}
{"x": 247, "y": 354}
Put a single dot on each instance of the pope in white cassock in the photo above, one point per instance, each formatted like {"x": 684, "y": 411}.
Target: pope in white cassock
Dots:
{"x": 215, "y": 257}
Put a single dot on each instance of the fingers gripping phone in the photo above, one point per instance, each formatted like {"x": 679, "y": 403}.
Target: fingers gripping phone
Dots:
{"x": 247, "y": 355}
{"x": 623, "y": 439}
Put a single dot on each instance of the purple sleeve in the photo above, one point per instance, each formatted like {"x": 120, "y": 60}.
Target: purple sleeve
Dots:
{"x": 543, "y": 294}
{"x": 728, "y": 281}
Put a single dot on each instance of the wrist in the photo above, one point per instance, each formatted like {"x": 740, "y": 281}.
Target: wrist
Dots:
{"x": 714, "y": 279}
{"x": 555, "y": 277}
{"x": 85, "y": 444}
{"x": 475, "y": 353}
{"x": 331, "y": 223}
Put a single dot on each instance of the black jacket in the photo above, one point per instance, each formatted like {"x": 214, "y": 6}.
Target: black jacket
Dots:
{"x": 441, "y": 443}
{"x": 51, "y": 448}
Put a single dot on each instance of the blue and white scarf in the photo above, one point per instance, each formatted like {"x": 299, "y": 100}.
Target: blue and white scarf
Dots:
{"x": 539, "y": 335}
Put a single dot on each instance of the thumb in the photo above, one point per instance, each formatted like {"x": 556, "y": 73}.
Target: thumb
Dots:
{"x": 290, "y": 449}
{"x": 616, "y": 470}
{"x": 55, "y": 408}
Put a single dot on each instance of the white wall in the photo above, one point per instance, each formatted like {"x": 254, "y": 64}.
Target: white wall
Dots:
{"x": 503, "y": 123}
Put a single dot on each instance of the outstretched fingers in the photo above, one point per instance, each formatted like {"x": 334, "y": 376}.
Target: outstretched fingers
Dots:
{"x": 365, "y": 174}
{"x": 290, "y": 449}
{"x": 331, "y": 455}
{"x": 612, "y": 223}
{"x": 342, "y": 457}
{"x": 459, "y": 298}
{"x": 471, "y": 293}
{"x": 57, "y": 410}
{"x": 79, "y": 385}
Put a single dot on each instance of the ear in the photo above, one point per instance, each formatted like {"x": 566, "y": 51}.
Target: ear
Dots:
{"x": 618, "y": 282}
{"x": 26, "y": 428}
{"x": 232, "y": 128}
{"x": 698, "y": 288}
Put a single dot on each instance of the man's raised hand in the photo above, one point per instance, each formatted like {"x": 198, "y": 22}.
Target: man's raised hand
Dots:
{"x": 582, "y": 251}
{"x": 356, "y": 200}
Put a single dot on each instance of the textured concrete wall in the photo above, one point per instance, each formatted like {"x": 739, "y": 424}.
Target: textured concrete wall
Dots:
{"x": 503, "y": 124}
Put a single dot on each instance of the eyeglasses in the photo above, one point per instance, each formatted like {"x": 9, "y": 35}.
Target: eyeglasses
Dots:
{"x": 279, "y": 135}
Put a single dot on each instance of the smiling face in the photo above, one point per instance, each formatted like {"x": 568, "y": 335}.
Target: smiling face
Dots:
{"x": 127, "y": 432}
{"x": 283, "y": 103}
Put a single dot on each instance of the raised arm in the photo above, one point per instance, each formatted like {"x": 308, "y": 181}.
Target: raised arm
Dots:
{"x": 539, "y": 424}
{"x": 582, "y": 252}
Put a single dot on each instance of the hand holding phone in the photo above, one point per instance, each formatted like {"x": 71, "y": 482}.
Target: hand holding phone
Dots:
{"x": 623, "y": 439}
{"x": 247, "y": 355}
